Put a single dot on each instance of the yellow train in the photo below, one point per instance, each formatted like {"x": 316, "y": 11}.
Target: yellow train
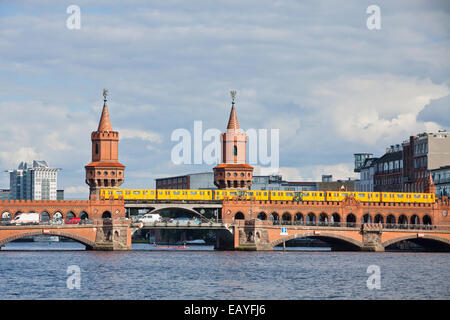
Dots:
{"x": 190, "y": 194}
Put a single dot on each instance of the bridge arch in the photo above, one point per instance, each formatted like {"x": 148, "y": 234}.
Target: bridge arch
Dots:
{"x": 355, "y": 244}
{"x": 438, "y": 239}
{"x": 88, "y": 243}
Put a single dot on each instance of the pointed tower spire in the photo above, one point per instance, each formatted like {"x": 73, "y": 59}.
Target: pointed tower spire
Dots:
{"x": 233, "y": 123}
{"x": 430, "y": 187}
{"x": 104, "y": 124}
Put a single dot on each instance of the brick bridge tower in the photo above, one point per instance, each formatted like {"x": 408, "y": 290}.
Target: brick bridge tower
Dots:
{"x": 104, "y": 171}
{"x": 233, "y": 172}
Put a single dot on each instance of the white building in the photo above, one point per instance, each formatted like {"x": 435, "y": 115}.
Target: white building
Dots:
{"x": 33, "y": 181}
{"x": 366, "y": 173}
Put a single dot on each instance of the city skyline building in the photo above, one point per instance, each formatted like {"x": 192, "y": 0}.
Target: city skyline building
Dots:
{"x": 33, "y": 181}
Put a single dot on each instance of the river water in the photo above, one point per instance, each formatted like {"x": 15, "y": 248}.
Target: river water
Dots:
{"x": 39, "y": 271}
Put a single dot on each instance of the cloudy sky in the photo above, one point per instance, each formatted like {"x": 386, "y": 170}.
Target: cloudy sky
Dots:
{"x": 311, "y": 69}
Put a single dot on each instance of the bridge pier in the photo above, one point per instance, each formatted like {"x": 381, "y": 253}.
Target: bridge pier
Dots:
{"x": 372, "y": 238}
{"x": 112, "y": 235}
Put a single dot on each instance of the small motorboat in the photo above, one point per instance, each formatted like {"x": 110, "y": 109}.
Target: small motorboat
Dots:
{"x": 170, "y": 247}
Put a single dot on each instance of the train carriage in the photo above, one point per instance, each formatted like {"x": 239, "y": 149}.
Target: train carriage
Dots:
{"x": 209, "y": 194}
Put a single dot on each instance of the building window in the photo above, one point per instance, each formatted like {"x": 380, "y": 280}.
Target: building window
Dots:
{"x": 235, "y": 151}
{"x": 96, "y": 148}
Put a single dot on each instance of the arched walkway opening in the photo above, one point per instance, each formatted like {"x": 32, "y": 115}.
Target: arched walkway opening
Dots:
{"x": 403, "y": 221}
{"x": 390, "y": 221}
{"x": 106, "y": 215}
{"x": 335, "y": 220}
{"x": 414, "y": 221}
{"x": 6, "y": 216}
{"x": 57, "y": 216}
{"x": 84, "y": 215}
{"x": 426, "y": 220}
{"x": 275, "y": 218}
{"x": 286, "y": 218}
{"x": 323, "y": 219}
{"x": 262, "y": 216}
{"x": 44, "y": 217}
{"x": 311, "y": 219}
{"x": 351, "y": 220}
{"x": 298, "y": 218}
{"x": 239, "y": 216}
{"x": 366, "y": 218}
{"x": 378, "y": 219}
{"x": 70, "y": 214}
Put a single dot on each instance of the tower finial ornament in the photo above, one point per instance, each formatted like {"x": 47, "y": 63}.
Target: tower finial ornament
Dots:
{"x": 233, "y": 95}
{"x": 105, "y": 93}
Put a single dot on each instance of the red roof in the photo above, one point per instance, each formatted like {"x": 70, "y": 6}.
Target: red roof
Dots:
{"x": 105, "y": 164}
{"x": 234, "y": 165}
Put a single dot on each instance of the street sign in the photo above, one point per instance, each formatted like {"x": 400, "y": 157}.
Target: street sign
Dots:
{"x": 284, "y": 232}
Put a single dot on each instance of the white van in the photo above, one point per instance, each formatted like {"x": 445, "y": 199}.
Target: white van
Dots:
{"x": 32, "y": 217}
{"x": 150, "y": 217}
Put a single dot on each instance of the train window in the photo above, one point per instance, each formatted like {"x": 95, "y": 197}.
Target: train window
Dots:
{"x": 392, "y": 195}
{"x": 202, "y": 193}
{"x": 145, "y": 192}
{"x": 408, "y": 196}
{"x": 118, "y": 192}
{"x": 399, "y": 196}
{"x": 425, "y": 196}
{"x": 344, "y": 194}
{"x": 336, "y": 194}
{"x": 321, "y": 194}
{"x": 417, "y": 196}
{"x": 362, "y": 195}
{"x": 265, "y": 193}
{"x": 376, "y": 195}
{"x": 151, "y": 192}
{"x": 193, "y": 193}
{"x": 176, "y": 193}
{"x": 160, "y": 192}
{"x": 233, "y": 193}
{"x": 167, "y": 192}
{"x": 127, "y": 192}
{"x": 289, "y": 194}
{"x": 306, "y": 194}
{"x": 136, "y": 192}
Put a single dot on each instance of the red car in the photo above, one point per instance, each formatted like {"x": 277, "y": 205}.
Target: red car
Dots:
{"x": 73, "y": 220}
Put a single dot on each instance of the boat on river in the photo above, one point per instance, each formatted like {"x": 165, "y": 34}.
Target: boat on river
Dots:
{"x": 170, "y": 247}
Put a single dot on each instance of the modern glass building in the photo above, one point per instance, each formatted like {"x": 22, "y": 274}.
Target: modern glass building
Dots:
{"x": 33, "y": 181}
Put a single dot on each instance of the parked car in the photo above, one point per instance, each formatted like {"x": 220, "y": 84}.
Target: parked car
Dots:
{"x": 73, "y": 220}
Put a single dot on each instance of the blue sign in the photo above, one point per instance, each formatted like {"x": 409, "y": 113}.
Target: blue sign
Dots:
{"x": 284, "y": 232}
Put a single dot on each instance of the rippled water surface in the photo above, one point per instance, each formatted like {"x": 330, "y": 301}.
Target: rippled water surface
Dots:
{"x": 39, "y": 271}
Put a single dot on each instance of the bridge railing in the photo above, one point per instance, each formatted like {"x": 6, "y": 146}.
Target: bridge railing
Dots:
{"x": 359, "y": 225}
{"x": 58, "y": 222}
